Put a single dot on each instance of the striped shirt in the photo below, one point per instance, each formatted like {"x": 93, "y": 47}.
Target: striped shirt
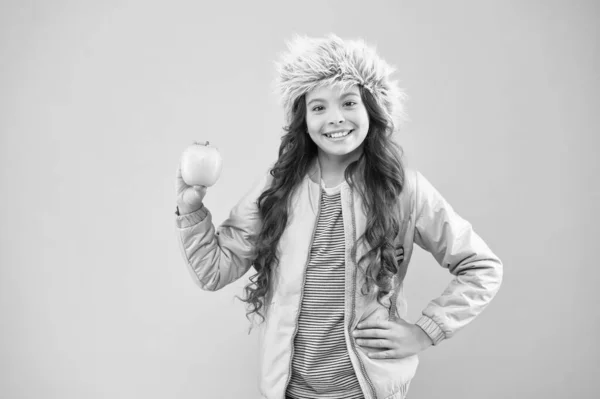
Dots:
{"x": 321, "y": 365}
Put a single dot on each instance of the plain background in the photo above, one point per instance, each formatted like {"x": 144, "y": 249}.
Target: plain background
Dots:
{"x": 99, "y": 99}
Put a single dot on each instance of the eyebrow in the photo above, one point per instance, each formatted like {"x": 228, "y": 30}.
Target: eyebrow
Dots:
{"x": 342, "y": 96}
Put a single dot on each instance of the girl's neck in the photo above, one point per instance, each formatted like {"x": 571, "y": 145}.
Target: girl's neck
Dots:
{"x": 334, "y": 167}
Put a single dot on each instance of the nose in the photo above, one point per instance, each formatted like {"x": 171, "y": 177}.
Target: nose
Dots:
{"x": 336, "y": 117}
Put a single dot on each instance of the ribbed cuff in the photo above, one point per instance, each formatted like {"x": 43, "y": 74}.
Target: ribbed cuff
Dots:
{"x": 190, "y": 219}
{"x": 432, "y": 329}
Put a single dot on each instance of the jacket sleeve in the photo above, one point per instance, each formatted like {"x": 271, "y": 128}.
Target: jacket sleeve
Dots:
{"x": 218, "y": 257}
{"x": 453, "y": 243}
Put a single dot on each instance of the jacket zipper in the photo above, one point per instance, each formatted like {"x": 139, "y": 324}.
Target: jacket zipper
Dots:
{"x": 302, "y": 290}
{"x": 352, "y": 343}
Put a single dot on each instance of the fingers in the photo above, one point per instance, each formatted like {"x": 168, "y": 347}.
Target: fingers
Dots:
{"x": 192, "y": 197}
{"x": 380, "y": 323}
{"x": 200, "y": 191}
{"x": 374, "y": 343}
{"x": 370, "y": 333}
{"x": 178, "y": 173}
{"x": 374, "y": 334}
{"x": 389, "y": 354}
{"x": 181, "y": 184}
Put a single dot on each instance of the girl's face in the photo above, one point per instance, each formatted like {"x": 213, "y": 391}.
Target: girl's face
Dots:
{"x": 343, "y": 114}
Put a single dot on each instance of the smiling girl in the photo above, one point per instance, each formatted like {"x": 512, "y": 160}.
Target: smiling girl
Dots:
{"x": 330, "y": 231}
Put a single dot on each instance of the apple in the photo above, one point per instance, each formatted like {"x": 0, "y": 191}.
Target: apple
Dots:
{"x": 200, "y": 165}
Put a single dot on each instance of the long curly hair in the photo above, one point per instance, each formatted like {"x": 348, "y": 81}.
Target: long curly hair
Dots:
{"x": 382, "y": 183}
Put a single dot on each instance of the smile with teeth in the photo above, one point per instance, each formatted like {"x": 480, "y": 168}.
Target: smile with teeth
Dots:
{"x": 338, "y": 135}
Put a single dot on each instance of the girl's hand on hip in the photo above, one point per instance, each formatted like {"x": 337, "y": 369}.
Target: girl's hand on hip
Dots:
{"x": 398, "y": 338}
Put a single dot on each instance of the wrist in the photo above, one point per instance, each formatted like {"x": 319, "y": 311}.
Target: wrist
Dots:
{"x": 185, "y": 209}
{"x": 431, "y": 328}
{"x": 423, "y": 338}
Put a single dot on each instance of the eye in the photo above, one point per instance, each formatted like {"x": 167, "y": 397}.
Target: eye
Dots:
{"x": 318, "y": 108}
{"x": 349, "y": 103}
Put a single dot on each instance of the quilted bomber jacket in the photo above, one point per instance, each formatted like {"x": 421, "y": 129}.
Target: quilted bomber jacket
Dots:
{"x": 218, "y": 256}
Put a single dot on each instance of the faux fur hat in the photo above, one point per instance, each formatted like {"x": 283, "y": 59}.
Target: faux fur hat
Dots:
{"x": 310, "y": 63}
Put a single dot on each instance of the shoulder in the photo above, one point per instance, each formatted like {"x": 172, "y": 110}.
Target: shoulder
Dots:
{"x": 416, "y": 184}
{"x": 418, "y": 191}
{"x": 411, "y": 181}
{"x": 410, "y": 176}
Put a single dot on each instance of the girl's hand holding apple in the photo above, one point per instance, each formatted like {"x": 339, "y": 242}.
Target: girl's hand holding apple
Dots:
{"x": 199, "y": 168}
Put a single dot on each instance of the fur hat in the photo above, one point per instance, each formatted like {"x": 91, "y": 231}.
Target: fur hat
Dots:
{"x": 311, "y": 63}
